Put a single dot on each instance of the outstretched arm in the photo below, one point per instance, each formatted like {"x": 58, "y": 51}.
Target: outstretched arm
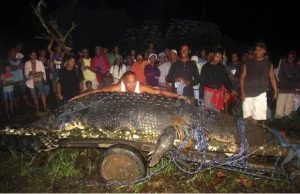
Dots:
{"x": 149, "y": 90}
{"x": 110, "y": 88}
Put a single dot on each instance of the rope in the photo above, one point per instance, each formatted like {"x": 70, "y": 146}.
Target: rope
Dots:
{"x": 294, "y": 151}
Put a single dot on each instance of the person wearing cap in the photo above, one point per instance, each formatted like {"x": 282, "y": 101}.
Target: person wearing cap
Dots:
{"x": 164, "y": 67}
{"x": 173, "y": 56}
{"x": 152, "y": 72}
{"x": 88, "y": 73}
{"x": 100, "y": 65}
{"x": 255, "y": 78}
{"x": 195, "y": 59}
{"x": 184, "y": 74}
{"x": 287, "y": 85}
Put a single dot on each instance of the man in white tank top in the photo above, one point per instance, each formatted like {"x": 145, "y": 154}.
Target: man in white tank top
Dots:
{"x": 129, "y": 83}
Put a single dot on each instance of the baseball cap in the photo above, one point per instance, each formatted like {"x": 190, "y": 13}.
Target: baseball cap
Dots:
{"x": 152, "y": 54}
{"x": 174, "y": 51}
{"x": 98, "y": 48}
{"x": 85, "y": 50}
{"x": 162, "y": 54}
{"x": 261, "y": 45}
{"x": 194, "y": 58}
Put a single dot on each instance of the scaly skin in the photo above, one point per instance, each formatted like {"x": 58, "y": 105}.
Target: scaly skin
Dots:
{"x": 140, "y": 118}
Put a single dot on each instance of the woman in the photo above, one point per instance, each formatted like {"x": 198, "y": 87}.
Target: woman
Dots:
{"x": 117, "y": 70}
{"x": 129, "y": 62}
{"x": 138, "y": 68}
{"x": 152, "y": 72}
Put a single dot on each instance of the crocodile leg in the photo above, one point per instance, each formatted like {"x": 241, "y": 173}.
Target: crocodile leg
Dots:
{"x": 164, "y": 143}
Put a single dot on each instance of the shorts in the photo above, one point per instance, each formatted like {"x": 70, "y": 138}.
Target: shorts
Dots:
{"x": 8, "y": 95}
{"x": 255, "y": 107}
{"x": 37, "y": 90}
{"x": 20, "y": 87}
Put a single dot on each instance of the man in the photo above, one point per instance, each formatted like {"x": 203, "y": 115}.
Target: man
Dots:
{"x": 202, "y": 60}
{"x": 184, "y": 74}
{"x": 173, "y": 56}
{"x": 69, "y": 83}
{"x": 17, "y": 71}
{"x": 254, "y": 83}
{"x": 130, "y": 84}
{"x": 213, "y": 77}
{"x": 101, "y": 67}
{"x": 35, "y": 69}
{"x": 287, "y": 86}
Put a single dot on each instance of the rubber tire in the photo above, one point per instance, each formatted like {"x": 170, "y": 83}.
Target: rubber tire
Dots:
{"x": 126, "y": 151}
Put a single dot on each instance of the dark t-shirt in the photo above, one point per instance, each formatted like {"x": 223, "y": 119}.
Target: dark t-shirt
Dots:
{"x": 257, "y": 77}
{"x": 187, "y": 71}
{"x": 214, "y": 76}
{"x": 287, "y": 76}
{"x": 69, "y": 80}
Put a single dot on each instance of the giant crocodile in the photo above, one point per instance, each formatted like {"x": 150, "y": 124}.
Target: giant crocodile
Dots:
{"x": 143, "y": 118}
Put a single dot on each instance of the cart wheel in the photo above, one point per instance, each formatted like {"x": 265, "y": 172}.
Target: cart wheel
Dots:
{"x": 122, "y": 163}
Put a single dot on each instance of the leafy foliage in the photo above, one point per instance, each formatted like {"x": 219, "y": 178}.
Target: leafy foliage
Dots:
{"x": 193, "y": 33}
{"x": 139, "y": 38}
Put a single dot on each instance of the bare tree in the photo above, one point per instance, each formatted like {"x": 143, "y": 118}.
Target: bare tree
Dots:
{"x": 51, "y": 27}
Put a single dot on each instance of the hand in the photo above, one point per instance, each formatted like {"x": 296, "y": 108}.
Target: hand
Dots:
{"x": 187, "y": 82}
{"x": 243, "y": 96}
{"x": 275, "y": 95}
{"x": 233, "y": 93}
{"x": 181, "y": 97}
{"x": 60, "y": 97}
{"x": 85, "y": 68}
{"x": 80, "y": 96}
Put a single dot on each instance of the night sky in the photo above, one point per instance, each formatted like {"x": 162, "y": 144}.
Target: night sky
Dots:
{"x": 243, "y": 21}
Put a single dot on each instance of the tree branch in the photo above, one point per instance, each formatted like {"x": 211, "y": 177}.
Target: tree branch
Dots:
{"x": 51, "y": 27}
{"x": 69, "y": 31}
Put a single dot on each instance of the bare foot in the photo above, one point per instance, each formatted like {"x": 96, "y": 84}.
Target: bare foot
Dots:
{"x": 47, "y": 110}
{"x": 31, "y": 105}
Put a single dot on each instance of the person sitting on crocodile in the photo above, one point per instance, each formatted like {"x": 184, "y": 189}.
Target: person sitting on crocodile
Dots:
{"x": 129, "y": 83}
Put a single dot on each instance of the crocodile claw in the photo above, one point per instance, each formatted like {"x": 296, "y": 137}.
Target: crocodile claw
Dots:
{"x": 154, "y": 158}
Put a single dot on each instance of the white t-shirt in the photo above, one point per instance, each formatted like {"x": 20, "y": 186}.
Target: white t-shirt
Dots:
{"x": 164, "y": 70}
{"x": 114, "y": 70}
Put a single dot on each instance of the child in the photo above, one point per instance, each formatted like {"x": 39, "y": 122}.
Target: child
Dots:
{"x": 88, "y": 85}
{"x": 7, "y": 79}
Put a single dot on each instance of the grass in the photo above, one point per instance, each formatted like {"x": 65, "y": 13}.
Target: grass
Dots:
{"x": 292, "y": 121}
{"x": 54, "y": 172}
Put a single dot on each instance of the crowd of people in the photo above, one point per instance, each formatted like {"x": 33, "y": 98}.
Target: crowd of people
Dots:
{"x": 206, "y": 76}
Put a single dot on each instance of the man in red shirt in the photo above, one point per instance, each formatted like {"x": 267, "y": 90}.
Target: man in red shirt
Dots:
{"x": 100, "y": 65}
